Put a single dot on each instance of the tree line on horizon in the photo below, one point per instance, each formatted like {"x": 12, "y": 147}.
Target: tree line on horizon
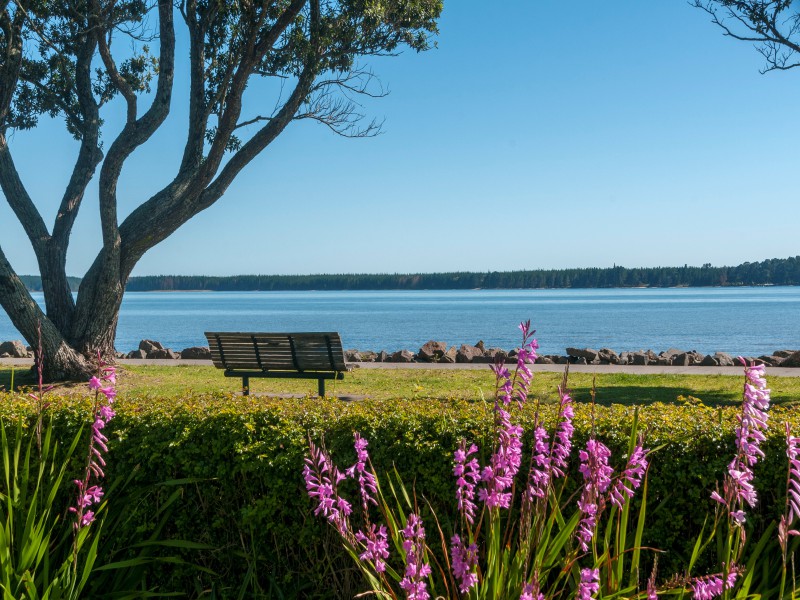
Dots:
{"x": 775, "y": 271}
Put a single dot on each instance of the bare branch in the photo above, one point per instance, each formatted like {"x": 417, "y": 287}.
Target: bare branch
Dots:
{"x": 762, "y": 22}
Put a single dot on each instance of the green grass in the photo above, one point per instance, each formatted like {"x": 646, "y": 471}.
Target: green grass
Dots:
{"x": 441, "y": 384}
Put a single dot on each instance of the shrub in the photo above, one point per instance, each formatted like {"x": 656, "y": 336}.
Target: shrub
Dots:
{"x": 250, "y": 503}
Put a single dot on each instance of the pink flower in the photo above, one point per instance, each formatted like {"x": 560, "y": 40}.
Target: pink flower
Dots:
{"x": 589, "y": 584}
{"x": 710, "y": 586}
{"x": 322, "y": 479}
{"x": 631, "y": 477}
{"x": 596, "y": 480}
{"x": 464, "y": 559}
{"x": 366, "y": 480}
{"x": 468, "y": 475}
{"x": 413, "y": 583}
{"x": 562, "y": 442}
{"x": 376, "y": 546}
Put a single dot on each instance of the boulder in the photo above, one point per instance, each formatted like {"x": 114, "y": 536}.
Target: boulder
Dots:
{"x": 670, "y": 354}
{"x": 771, "y": 361}
{"x": 560, "y": 360}
{"x": 544, "y": 360}
{"x": 368, "y": 356}
{"x": 681, "y": 360}
{"x": 467, "y": 353}
{"x": 480, "y": 345}
{"x": 401, "y": 356}
{"x": 382, "y": 356}
{"x": 495, "y": 354}
{"x": 783, "y": 353}
{"x": 5, "y": 355}
{"x": 136, "y": 354}
{"x": 352, "y": 356}
{"x": 792, "y": 361}
{"x": 449, "y": 356}
{"x": 196, "y": 353}
{"x": 723, "y": 359}
{"x": 578, "y": 360}
{"x": 709, "y": 361}
{"x": 150, "y": 346}
{"x": 587, "y": 353}
{"x": 639, "y": 358}
{"x": 607, "y": 355}
{"x": 15, "y": 349}
{"x": 432, "y": 351}
{"x": 163, "y": 354}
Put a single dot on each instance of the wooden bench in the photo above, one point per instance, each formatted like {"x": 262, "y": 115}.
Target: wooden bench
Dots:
{"x": 283, "y": 355}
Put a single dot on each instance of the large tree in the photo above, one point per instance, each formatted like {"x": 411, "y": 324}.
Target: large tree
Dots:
{"x": 772, "y": 25}
{"x": 58, "y": 59}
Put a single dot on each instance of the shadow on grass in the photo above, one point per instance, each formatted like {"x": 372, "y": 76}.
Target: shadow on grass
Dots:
{"x": 643, "y": 395}
{"x": 22, "y": 376}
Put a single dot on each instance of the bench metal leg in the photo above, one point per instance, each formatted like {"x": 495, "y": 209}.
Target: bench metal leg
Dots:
{"x": 245, "y": 386}
{"x": 321, "y": 387}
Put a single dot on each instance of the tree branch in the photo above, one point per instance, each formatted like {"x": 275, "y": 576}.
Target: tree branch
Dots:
{"x": 20, "y": 201}
{"x": 139, "y": 131}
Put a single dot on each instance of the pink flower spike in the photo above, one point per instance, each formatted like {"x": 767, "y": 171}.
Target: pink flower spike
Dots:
{"x": 95, "y": 383}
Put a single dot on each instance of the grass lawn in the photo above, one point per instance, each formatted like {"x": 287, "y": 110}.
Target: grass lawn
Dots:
{"x": 441, "y": 384}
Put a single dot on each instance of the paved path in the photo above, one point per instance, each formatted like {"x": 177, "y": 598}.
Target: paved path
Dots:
{"x": 607, "y": 369}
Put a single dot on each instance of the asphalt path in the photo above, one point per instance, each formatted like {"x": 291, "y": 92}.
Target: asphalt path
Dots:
{"x": 606, "y": 369}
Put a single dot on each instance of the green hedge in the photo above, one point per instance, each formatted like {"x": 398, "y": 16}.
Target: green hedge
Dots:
{"x": 247, "y": 498}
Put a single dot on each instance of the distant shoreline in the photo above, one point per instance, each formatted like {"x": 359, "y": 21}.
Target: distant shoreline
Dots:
{"x": 770, "y": 272}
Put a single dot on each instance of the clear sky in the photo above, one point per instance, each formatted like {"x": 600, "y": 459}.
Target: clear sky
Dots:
{"x": 537, "y": 135}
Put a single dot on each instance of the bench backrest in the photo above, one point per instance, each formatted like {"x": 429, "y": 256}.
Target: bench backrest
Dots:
{"x": 277, "y": 351}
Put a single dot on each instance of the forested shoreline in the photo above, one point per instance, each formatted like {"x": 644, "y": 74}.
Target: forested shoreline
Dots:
{"x": 776, "y": 271}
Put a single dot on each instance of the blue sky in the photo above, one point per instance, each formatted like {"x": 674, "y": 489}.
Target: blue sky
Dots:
{"x": 542, "y": 135}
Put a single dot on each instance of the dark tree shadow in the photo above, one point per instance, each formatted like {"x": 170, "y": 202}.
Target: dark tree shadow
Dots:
{"x": 644, "y": 395}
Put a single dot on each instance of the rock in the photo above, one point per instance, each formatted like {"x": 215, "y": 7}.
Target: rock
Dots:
{"x": 5, "y": 355}
{"x": 467, "y": 353}
{"x": 544, "y": 360}
{"x": 402, "y": 356}
{"x": 709, "y": 361}
{"x": 495, "y": 354}
{"x": 579, "y": 360}
{"x": 608, "y": 355}
{"x": 119, "y": 355}
{"x": 792, "y": 361}
{"x": 352, "y": 356}
{"x": 560, "y": 360}
{"x": 587, "y": 353}
{"x": 480, "y": 345}
{"x": 196, "y": 353}
{"x": 15, "y": 349}
{"x": 368, "y": 356}
{"x": 723, "y": 359}
{"x": 681, "y": 360}
{"x": 639, "y": 358}
{"x": 150, "y": 346}
{"x": 136, "y": 354}
{"x": 432, "y": 351}
{"x": 163, "y": 354}
{"x": 382, "y": 356}
{"x": 449, "y": 356}
{"x": 771, "y": 361}
{"x": 783, "y": 353}
{"x": 670, "y": 354}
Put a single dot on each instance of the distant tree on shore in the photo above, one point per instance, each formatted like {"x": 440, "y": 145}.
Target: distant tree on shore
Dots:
{"x": 775, "y": 271}
{"x": 57, "y": 59}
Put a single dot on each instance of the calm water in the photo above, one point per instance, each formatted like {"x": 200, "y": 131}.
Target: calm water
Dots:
{"x": 748, "y": 321}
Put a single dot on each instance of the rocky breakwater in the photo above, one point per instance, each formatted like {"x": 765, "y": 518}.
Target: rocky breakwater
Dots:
{"x": 439, "y": 352}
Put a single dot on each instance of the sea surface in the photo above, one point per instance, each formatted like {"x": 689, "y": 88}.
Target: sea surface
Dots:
{"x": 750, "y": 321}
